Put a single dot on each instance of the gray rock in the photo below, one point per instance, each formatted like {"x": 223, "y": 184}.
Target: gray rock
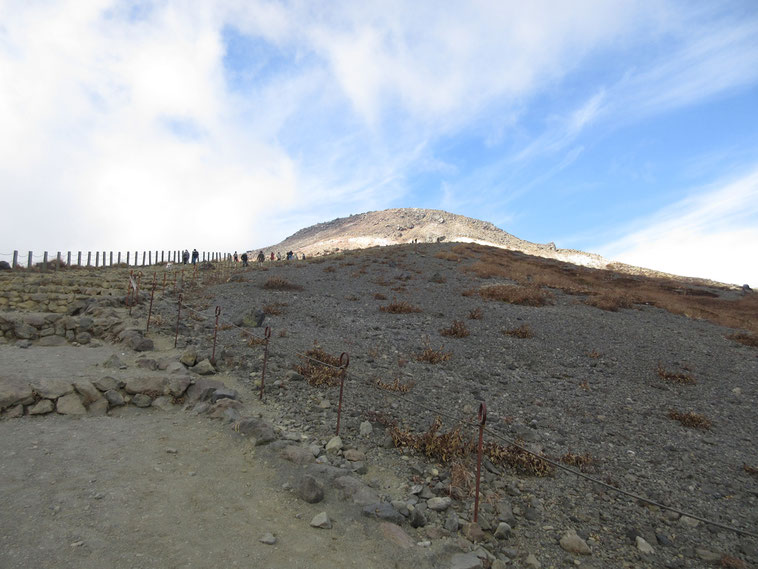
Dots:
{"x": 383, "y": 511}
{"x": 321, "y": 521}
{"x": 354, "y": 455}
{"x": 204, "y": 367}
{"x": 707, "y": 555}
{"x": 147, "y": 363}
{"x": 98, "y": 408}
{"x": 14, "y": 412}
{"x": 451, "y": 522}
{"x": 257, "y": 429}
{"x": 334, "y": 445}
{"x": 365, "y": 429}
{"x": 70, "y": 405}
{"x": 164, "y": 403}
{"x": 13, "y": 390}
{"x": 114, "y": 398}
{"x": 572, "y": 543}
{"x": 88, "y": 391}
{"x": 114, "y": 362}
{"x": 23, "y": 344}
{"x": 153, "y": 385}
{"x": 503, "y": 531}
{"x": 268, "y": 539}
{"x": 355, "y": 490}
{"x": 417, "y": 518}
{"x": 42, "y": 407}
{"x": 309, "y": 489}
{"x": 52, "y": 341}
{"x": 203, "y": 389}
{"x": 224, "y": 393}
{"x": 107, "y": 383}
{"x": 643, "y": 546}
{"x": 439, "y": 503}
{"x": 142, "y": 400}
{"x": 52, "y": 388}
{"x": 297, "y": 454}
{"x": 395, "y": 534}
{"x": 531, "y": 562}
{"x": 24, "y": 331}
{"x": 177, "y": 385}
{"x": 189, "y": 358}
{"x": 465, "y": 561}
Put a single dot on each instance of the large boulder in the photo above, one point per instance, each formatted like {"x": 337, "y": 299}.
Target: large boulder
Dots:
{"x": 49, "y": 388}
{"x": 13, "y": 391}
{"x": 203, "y": 389}
{"x": 70, "y": 405}
{"x": 151, "y": 385}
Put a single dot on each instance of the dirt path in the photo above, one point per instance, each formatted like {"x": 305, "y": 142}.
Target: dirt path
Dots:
{"x": 153, "y": 489}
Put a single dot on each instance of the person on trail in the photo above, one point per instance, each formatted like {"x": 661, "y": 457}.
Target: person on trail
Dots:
{"x": 272, "y": 255}
{"x": 235, "y": 257}
{"x": 278, "y": 256}
{"x": 195, "y": 256}
{"x": 185, "y": 256}
{"x": 261, "y": 257}
{"x": 244, "y": 259}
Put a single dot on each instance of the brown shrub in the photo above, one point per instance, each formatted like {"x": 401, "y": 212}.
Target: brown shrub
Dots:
{"x": 745, "y": 338}
{"x": 476, "y": 314}
{"x": 395, "y": 386}
{"x": 683, "y": 378}
{"x": 380, "y": 296}
{"x": 610, "y": 302}
{"x": 319, "y": 367}
{"x": 525, "y": 295}
{"x": 457, "y": 330}
{"x": 750, "y": 469}
{"x": 519, "y": 459}
{"x": 524, "y": 331}
{"x": 432, "y": 356}
{"x": 329, "y": 269}
{"x": 594, "y": 354}
{"x": 278, "y": 283}
{"x": 448, "y": 256}
{"x": 584, "y": 462}
{"x": 444, "y": 447}
{"x": 729, "y": 562}
{"x": 274, "y": 309}
{"x": 691, "y": 419}
{"x": 401, "y": 307}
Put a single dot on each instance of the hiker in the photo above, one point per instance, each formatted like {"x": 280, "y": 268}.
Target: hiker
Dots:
{"x": 289, "y": 255}
{"x": 244, "y": 259}
{"x": 272, "y": 255}
{"x": 235, "y": 257}
{"x": 185, "y": 257}
{"x": 195, "y": 256}
{"x": 261, "y": 257}
{"x": 278, "y": 255}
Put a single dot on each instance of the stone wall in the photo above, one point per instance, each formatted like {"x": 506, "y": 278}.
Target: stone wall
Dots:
{"x": 53, "y": 329}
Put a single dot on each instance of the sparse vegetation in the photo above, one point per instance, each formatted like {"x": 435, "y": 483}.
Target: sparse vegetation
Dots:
{"x": 379, "y": 296}
{"x": 524, "y": 331}
{"x": 399, "y": 307}
{"x": 584, "y": 462}
{"x": 750, "y": 469}
{"x": 279, "y": 283}
{"x": 274, "y": 309}
{"x": 691, "y": 419}
{"x": 320, "y": 368}
{"x": 728, "y": 562}
{"x": 745, "y": 338}
{"x": 431, "y": 356}
{"x": 683, "y": 378}
{"x": 456, "y": 330}
{"x": 394, "y": 386}
{"x": 514, "y": 294}
{"x": 476, "y": 313}
{"x": 610, "y": 302}
{"x": 594, "y": 354}
{"x": 448, "y": 256}
{"x": 329, "y": 269}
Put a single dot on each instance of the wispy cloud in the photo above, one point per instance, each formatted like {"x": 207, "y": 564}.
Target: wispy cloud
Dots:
{"x": 712, "y": 234}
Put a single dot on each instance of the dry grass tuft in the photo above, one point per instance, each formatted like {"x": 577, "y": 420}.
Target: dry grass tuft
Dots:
{"x": 444, "y": 447}
{"x": 729, "y": 562}
{"x": 274, "y": 309}
{"x": 524, "y": 331}
{"x": 683, "y": 378}
{"x": 462, "y": 481}
{"x": 322, "y": 371}
{"x": 431, "y": 356}
{"x": 594, "y": 354}
{"x": 380, "y": 296}
{"x": 401, "y": 307}
{"x": 519, "y": 459}
{"x": 448, "y": 256}
{"x": 476, "y": 314}
{"x": 329, "y": 269}
{"x": 610, "y": 302}
{"x": 278, "y": 283}
{"x": 457, "y": 330}
{"x": 584, "y": 462}
{"x": 745, "y": 338}
{"x": 395, "y": 386}
{"x": 513, "y": 294}
{"x": 691, "y": 419}
{"x": 750, "y": 469}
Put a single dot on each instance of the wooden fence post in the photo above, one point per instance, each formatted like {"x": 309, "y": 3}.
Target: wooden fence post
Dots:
{"x": 44, "y": 261}
{"x": 68, "y": 259}
{"x": 79, "y": 258}
{"x": 15, "y": 260}
{"x": 97, "y": 258}
{"x": 29, "y": 262}
{"x": 119, "y": 258}
{"x": 89, "y": 258}
{"x": 58, "y": 260}
{"x": 111, "y": 258}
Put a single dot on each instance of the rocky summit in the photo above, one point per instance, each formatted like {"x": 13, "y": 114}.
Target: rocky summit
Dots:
{"x": 618, "y": 410}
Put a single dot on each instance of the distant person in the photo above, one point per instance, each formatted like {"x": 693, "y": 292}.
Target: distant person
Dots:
{"x": 195, "y": 256}
{"x": 289, "y": 255}
{"x": 303, "y": 256}
{"x": 278, "y": 255}
{"x": 244, "y": 259}
{"x": 261, "y": 257}
{"x": 185, "y": 256}
{"x": 272, "y": 255}
{"x": 235, "y": 257}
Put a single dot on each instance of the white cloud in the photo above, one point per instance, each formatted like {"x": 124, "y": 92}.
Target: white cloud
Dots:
{"x": 712, "y": 234}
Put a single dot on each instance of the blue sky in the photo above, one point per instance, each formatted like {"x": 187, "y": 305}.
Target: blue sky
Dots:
{"x": 628, "y": 129}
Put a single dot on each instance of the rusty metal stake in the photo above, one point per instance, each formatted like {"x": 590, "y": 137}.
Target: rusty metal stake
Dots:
{"x": 482, "y": 417}
{"x": 150, "y": 311}
{"x": 215, "y": 332}
{"x": 178, "y": 316}
{"x": 266, "y": 335}
{"x": 344, "y": 362}
{"x": 163, "y": 290}
{"x": 136, "y": 290}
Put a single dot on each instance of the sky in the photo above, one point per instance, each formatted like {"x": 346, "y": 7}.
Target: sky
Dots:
{"x": 624, "y": 128}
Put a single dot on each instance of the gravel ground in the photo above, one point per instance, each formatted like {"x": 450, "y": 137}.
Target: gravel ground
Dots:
{"x": 585, "y": 383}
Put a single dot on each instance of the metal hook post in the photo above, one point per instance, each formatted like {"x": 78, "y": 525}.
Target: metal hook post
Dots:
{"x": 482, "y": 418}
{"x": 266, "y": 335}
{"x": 215, "y": 332}
{"x": 150, "y": 311}
{"x": 178, "y": 316}
{"x": 344, "y": 362}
